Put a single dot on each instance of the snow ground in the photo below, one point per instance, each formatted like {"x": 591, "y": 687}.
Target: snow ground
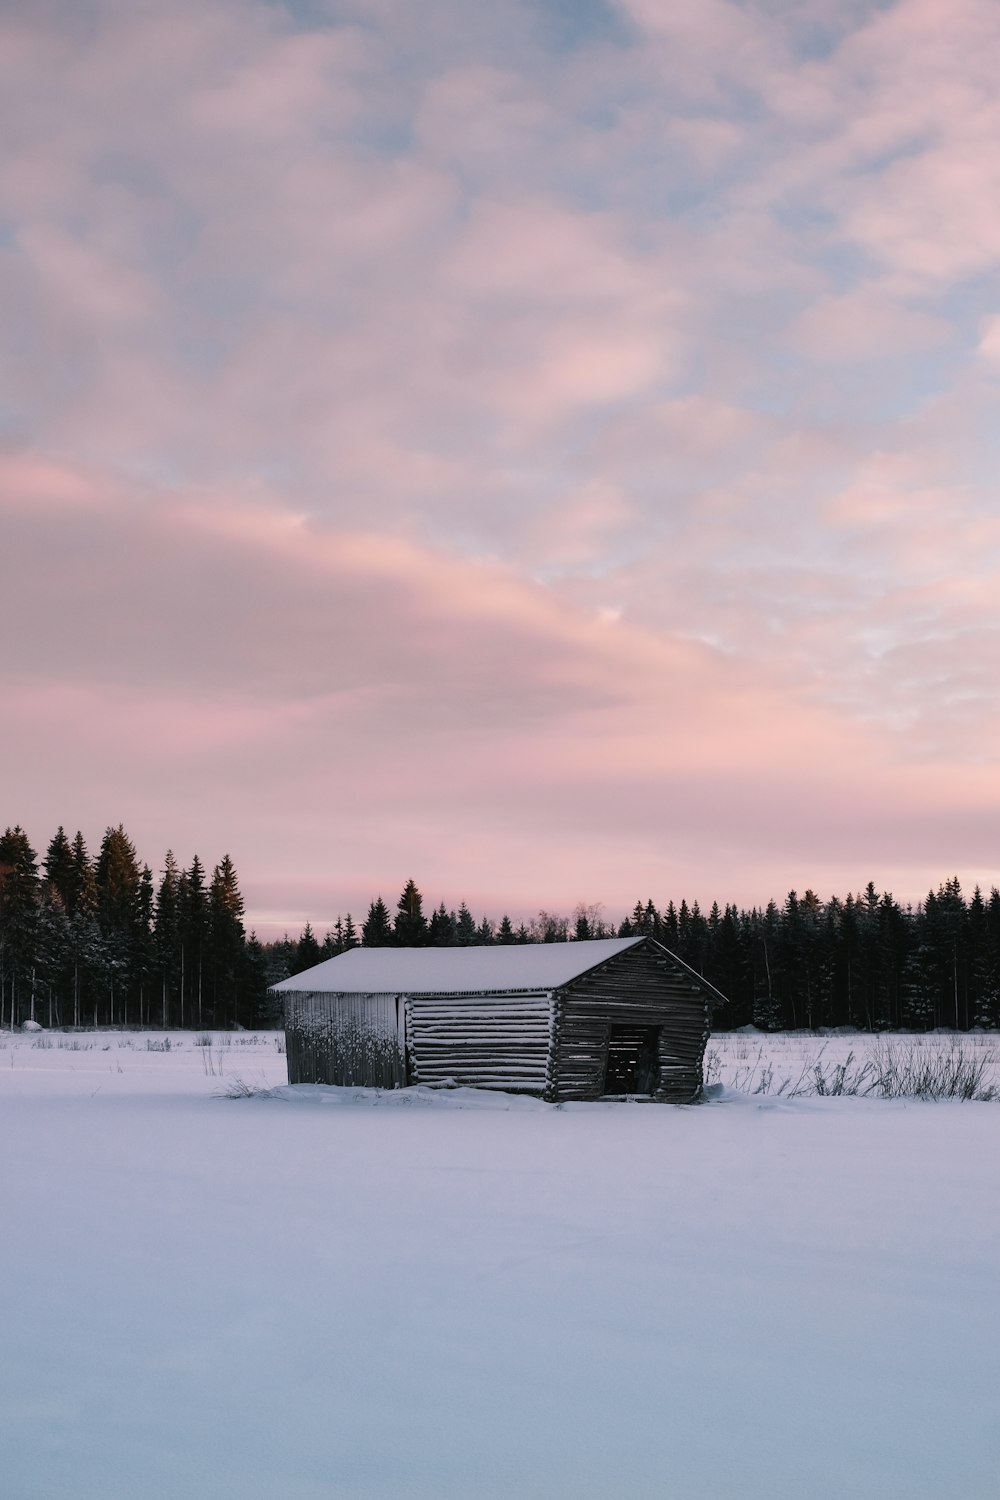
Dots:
{"x": 401, "y": 1297}
{"x": 754, "y": 1061}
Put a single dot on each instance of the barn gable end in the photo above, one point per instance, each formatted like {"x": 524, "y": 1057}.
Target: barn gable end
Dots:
{"x": 656, "y": 1010}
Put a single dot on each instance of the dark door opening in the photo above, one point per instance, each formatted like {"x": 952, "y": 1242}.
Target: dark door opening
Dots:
{"x": 633, "y": 1060}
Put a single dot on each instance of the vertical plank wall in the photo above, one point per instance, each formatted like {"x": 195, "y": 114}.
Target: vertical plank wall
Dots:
{"x": 345, "y": 1039}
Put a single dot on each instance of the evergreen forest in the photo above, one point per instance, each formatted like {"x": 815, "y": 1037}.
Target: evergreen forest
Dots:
{"x": 93, "y": 940}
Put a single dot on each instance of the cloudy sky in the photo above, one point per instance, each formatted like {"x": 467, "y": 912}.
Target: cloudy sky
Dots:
{"x": 548, "y": 448}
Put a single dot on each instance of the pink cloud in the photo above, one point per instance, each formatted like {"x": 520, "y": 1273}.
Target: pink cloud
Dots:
{"x": 989, "y": 344}
{"x": 433, "y": 451}
{"x": 864, "y": 325}
{"x": 310, "y": 667}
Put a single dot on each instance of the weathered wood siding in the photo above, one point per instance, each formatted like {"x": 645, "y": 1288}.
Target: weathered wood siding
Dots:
{"x": 483, "y": 1041}
{"x": 640, "y": 988}
{"x": 346, "y": 1039}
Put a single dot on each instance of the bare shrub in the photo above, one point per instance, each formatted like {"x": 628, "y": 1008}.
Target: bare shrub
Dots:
{"x": 892, "y": 1070}
{"x": 909, "y": 1073}
{"x": 846, "y": 1077}
{"x": 212, "y": 1063}
{"x": 241, "y": 1088}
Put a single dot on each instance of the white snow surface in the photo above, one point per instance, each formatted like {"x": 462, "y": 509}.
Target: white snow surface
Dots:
{"x": 435, "y": 971}
{"x": 340, "y": 1294}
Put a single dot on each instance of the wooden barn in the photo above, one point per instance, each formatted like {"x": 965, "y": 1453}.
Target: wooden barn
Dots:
{"x": 583, "y": 1020}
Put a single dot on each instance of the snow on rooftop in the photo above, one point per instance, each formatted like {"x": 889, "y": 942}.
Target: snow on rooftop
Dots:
{"x": 415, "y": 971}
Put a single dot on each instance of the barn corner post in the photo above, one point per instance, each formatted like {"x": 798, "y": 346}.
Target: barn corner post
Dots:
{"x": 683, "y": 1044}
{"x": 551, "y": 1093}
{"x": 293, "y": 1049}
{"x": 402, "y": 1060}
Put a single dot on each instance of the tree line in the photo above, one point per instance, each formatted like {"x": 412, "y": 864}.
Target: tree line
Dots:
{"x": 94, "y": 941}
{"x": 862, "y": 961}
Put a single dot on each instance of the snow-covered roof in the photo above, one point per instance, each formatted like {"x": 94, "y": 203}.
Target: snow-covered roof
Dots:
{"x": 435, "y": 971}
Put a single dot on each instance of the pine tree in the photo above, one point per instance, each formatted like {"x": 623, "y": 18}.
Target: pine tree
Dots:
{"x": 767, "y": 996}
{"x": 261, "y": 1008}
{"x": 81, "y": 906}
{"x": 144, "y": 952}
{"x": 82, "y": 893}
{"x": 377, "y": 929}
{"x": 351, "y": 939}
{"x": 193, "y": 911}
{"x": 54, "y": 937}
{"x": 980, "y": 999}
{"x": 683, "y": 945}
{"x": 52, "y": 951}
{"x": 893, "y": 945}
{"x": 59, "y": 867}
{"x": 990, "y": 1004}
{"x": 441, "y": 928}
{"x": 18, "y": 920}
{"x": 866, "y": 987}
{"x": 227, "y": 936}
{"x": 697, "y": 939}
{"x": 117, "y": 878}
{"x": 280, "y": 959}
{"x": 788, "y": 955}
{"x": 917, "y": 987}
{"x": 811, "y": 934}
{"x": 465, "y": 927}
{"x": 411, "y": 924}
{"x": 729, "y": 972}
{"x": 307, "y": 953}
{"x": 118, "y": 917}
{"x": 952, "y": 914}
{"x": 167, "y": 935}
{"x": 505, "y": 932}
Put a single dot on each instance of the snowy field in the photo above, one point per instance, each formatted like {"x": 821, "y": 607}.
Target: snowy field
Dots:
{"x": 335, "y": 1295}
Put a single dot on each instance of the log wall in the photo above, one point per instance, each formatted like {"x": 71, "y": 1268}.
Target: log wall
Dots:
{"x": 484, "y": 1041}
